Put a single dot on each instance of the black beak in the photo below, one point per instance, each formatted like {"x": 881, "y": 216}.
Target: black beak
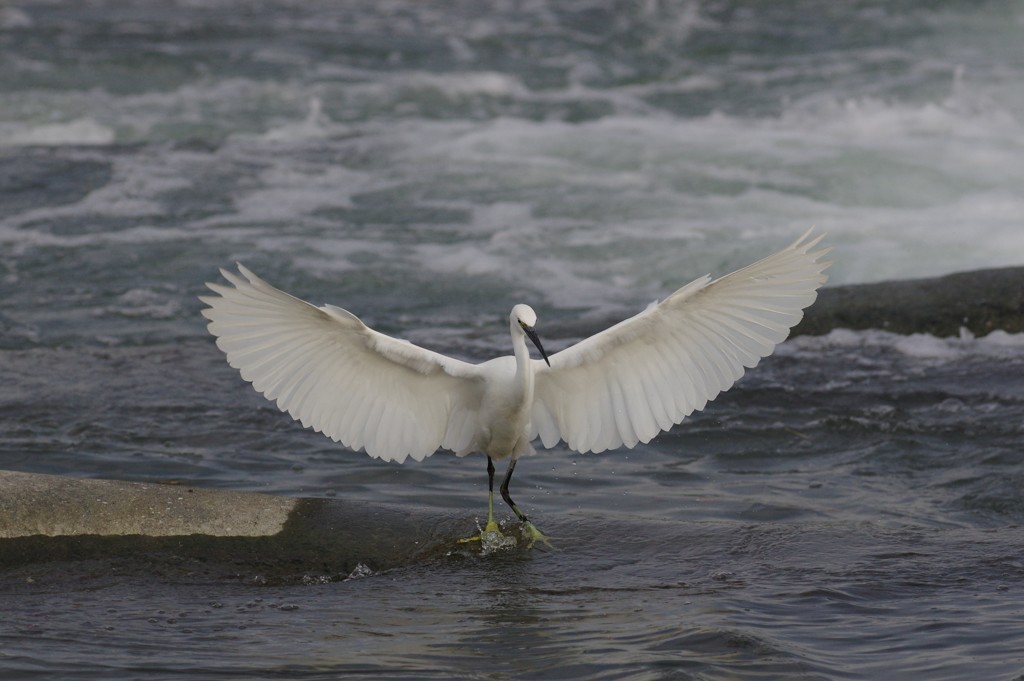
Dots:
{"x": 532, "y": 335}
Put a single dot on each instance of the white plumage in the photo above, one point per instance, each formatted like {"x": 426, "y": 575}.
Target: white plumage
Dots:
{"x": 619, "y": 387}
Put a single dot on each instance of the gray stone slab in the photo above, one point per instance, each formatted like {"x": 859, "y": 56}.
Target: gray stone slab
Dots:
{"x": 54, "y": 505}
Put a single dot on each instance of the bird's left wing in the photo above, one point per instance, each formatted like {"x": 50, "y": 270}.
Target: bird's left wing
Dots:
{"x": 641, "y": 376}
{"x": 338, "y": 376}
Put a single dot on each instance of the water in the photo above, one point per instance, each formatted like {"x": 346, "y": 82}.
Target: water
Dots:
{"x": 851, "y": 510}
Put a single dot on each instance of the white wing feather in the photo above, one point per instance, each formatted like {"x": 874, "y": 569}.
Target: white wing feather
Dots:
{"x": 338, "y": 376}
{"x": 641, "y": 376}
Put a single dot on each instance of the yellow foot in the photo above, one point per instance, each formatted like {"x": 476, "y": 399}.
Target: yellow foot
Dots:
{"x": 532, "y": 535}
{"x": 492, "y": 539}
{"x": 490, "y": 532}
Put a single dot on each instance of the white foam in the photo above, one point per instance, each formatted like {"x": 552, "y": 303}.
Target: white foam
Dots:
{"x": 619, "y": 210}
{"x": 925, "y": 346}
{"x": 330, "y": 255}
{"x": 148, "y": 303}
{"x": 81, "y": 131}
{"x": 288, "y": 191}
{"x": 917, "y": 346}
{"x": 928, "y": 180}
{"x": 133, "y": 191}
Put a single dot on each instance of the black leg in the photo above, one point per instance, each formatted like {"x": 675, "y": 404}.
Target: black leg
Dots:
{"x": 491, "y": 526}
{"x": 530, "y": 531}
{"x": 505, "y": 495}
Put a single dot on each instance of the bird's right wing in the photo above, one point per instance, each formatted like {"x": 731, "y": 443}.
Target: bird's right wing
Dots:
{"x": 338, "y": 376}
{"x": 641, "y": 376}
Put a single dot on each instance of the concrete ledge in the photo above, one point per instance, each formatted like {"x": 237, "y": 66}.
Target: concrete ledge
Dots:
{"x": 53, "y": 505}
{"x": 178, "y": 530}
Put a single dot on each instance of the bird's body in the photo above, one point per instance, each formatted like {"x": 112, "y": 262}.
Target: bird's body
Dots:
{"x": 504, "y": 411}
{"x": 619, "y": 387}
{"x": 504, "y": 421}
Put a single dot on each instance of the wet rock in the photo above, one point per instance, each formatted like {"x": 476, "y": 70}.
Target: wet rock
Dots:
{"x": 980, "y": 301}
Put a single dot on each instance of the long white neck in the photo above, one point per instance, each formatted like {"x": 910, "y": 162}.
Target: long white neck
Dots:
{"x": 524, "y": 365}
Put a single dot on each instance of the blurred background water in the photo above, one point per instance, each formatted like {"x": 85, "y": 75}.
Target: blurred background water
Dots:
{"x": 850, "y": 510}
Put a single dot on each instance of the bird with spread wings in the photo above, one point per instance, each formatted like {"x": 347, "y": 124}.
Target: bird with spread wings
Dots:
{"x": 624, "y": 385}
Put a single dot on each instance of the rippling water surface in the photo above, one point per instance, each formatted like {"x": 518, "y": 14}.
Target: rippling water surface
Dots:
{"x": 850, "y": 510}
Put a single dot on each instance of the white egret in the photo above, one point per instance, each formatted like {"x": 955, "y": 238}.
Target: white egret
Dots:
{"x": 624, "y": 385}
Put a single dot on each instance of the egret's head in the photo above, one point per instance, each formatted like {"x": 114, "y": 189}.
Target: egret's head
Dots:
{"x": 525, "y": 318}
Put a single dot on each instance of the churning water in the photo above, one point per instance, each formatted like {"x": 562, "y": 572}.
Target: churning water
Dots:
{"x": 850, "y": 510}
